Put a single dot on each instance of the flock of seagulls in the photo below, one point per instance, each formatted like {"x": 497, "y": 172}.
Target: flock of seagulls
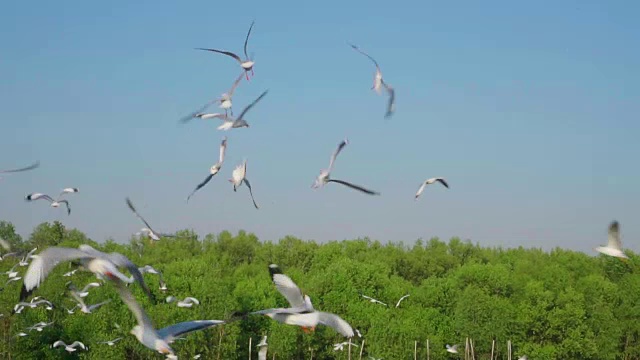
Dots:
{"x": 109, "y": 267}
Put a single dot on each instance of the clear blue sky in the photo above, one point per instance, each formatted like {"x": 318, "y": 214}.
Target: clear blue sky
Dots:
{"x": 529, "y": 110}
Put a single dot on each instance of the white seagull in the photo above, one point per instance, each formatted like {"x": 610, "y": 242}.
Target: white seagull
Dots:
{"x": 188, "y": 302}
{"x": 70, "y": 348}
{"x": 214, "y": 169}
{"x": 402, "y": 298}
{"x": 239, "y": 122}
{"x": 263, "y": 346}
{"x": 70, "y": 273}
{"x": 246, "y": 64}
{"x": 225, "y": 103}
{"x": 85, "y": 290}
{"x": 83, "y": 307}
{"x": 452, "y": 349}
{"x": 104, "y": 265}
{"x": 239, "y": 176}
{"x": 110, "y": 342}
{"x": 614, "y": 246}
{"x": 340, "y": 346}
{"x": 429, "y": 182}
{"x": 324, "y": 176}
{"x": 39, "y": 326}
{"x": 25, "y": 259}
{"x": 378, "y": 83}
{"x": 372, "y": 300}
{"x": 153, "y": 339}
{"x": 301, "y": 313}
{"x": 54, "y": 203}
{"x": 148, "y": 230}
{"x": 12, "y": 273}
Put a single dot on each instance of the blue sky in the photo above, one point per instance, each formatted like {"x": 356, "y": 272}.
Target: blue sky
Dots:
{"x": 529, "y": 110}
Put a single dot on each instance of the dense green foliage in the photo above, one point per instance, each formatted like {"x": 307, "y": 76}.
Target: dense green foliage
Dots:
{"x": 552, "y": 305}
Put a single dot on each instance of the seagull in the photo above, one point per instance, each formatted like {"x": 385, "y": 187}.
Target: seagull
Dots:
{"x": 72, "y": 310}
{"x": 225, "y": 103}
{"x": 324, "y": 178}
{"x": 230, "y": 123}
{"x": 85, "y": 291}
{"x": 30, "y": 167}
{"x": 12, "y": 280}
{"x": 402, "y": 298}
{"x": 163, "y": 285}
{"x": 170, "y": 299}
{"x": 524, "y": 357}
{"x": 358, "y": 333}
{"x": 214, "y": 169}
{"x": 198, "y": 356}
{"x": 188, "y": 302}
{"x": 70, "y": 348}
{"x": 12, "y": 273}
{"x": 452, "y": 349}
{"x": 34, "y": 304}
{"x": 614, "y": 246}
{"x": 39, "y": 326}
{"x": 21, "y": 334}
{"x": 110, "y": 342}
{"x": 104, "y": 265}
{"x": 148, "y": 230}
{"x": 340, "y": 346}
{"x": 301, "y": 313}
{"x": 153, "y": 339}
{"x": 70, "y": 273}
{"x": 246, "y": 64}
{"x": 54, "y": 203}
{"x": 262, "y": 353}
{"x": 25, "y": 260}
{"x": 373, "y": 300}
{"x": 83, "y": 307}
{"x": 239, "y": 176}
{"x": 378, "y": 83}
{"x": 431, "y": 181}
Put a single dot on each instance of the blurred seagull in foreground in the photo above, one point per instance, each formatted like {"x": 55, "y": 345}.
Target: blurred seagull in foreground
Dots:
{"x": 324, "y": 176}
{"x": 239, "y": 176}
{"x": 148, "y": 230}
{"x": 148, "y": 336}
{"x": 429, "y": 182}
{"x": 230, "y": 123}
{"x": 402, "y": 298}
{"x": 103, "y": 265}
{"x": 70, "y": 348}
{"x": 214, "y": 169}
{"x": 54, "y": 203}
{"x": 614, "y": 246}
{"x": 373, "y": 300}
{"x": 301, "y": 313}
{"x": 246, "y": 64}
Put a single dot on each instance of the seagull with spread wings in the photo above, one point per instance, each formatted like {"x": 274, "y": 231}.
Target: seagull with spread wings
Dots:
{"x": 148, "y": 230}
{"x": 239, "y": 122}
{"x": 372, "y": 300}
{"x": 239, "y": 176}
{"x": 379, "y": 83}
{"x": 301, "y": 313}
{"x": 214, "y": 169}
{"x": 225, "y": 103}
{"x": 429, "y": 182}
{"x": 247, "y": 63}
{"x": 614, "y": 246}
{"x": 70, "y": 348}
{"x": 54, "y": 203}
{"x": 324, "y": 176}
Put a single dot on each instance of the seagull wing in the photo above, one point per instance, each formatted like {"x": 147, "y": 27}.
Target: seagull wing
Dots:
{"x": 247, "y": 39}
{"x": 30, "y": 167}
{"x": 89, "y": 286}
{"x": 77, "y": 298}
{"x": 95, "y": 306}
{"x": 286, "y": 287}
{"x": 335, "y": 322}
{"x": 614, "y": 236}
{"x": 244, "y": 111}
{"x": 128, "y": 298}
{"x": 171, "y": 332}
{"x": 355, "y": 187}
{"x": 391, "y": 105}
{"x": 335, "y": 153}
{"x": 37, "y": 196}
{"x": 78, "y": 343}
{"x": 191, "y": 116}
{"x": 130, "y": 205}
{"x": 201, "y": 185}
{"x": 443, "y": 182}
{"x": 44, "y": 263}
{"x": 246, "y": 181}
{"x": 367, "y": 55}
{"x": 421, "y": 189}
{"x": 228, "y": 53}
{"x": 223, "y": 150}
{"x": 66, "y": 203}
{"x": 58, "y": 343}
{"x": 402, "y": 298}
{"x": 235, "y": 85}
{"x": 122, "y": 261}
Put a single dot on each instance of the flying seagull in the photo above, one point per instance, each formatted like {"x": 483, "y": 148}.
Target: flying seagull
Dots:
{"x": 324, "y": 176}
{"x": 188, "y": 302}
{"x": 104, "y": 265}
{"x": 83, "y": 307}
{"x": 39, "y": 326}
{"x": 301, "y": 313}
{"x": 428, "y": 182}
{"x": 148, "y": 230}
{"x": 153, "y": 339}
{"x": 110, "y": 342}
{"x": 378, "y": 83}
{"x": 452, "y": 349}
{"x": 214, "y": 169}
{"x": 54, "y": 203}
{"x": 70, "y": 348}
{"x": 402, "y": 298}
{"x": 239, "y": 176}
{"x": 614, "y": 246}
{"x": 85, "y": 290}
{"x": 239, "y": 122}
{"x": 30, "y": 167}
{"x": 372, "y": 300}
{"x": 247, "y": 63}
